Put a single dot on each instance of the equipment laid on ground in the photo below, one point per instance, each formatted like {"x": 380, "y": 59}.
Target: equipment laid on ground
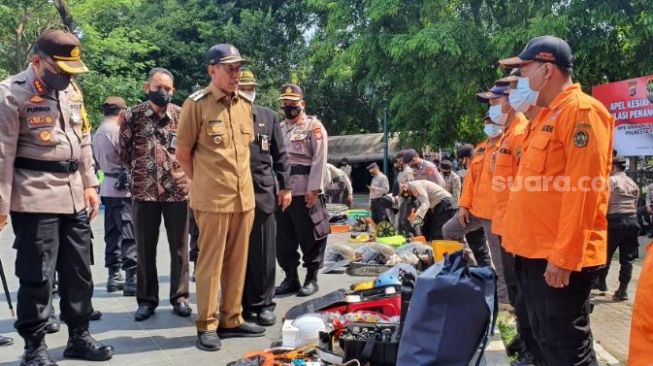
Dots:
{"x": 451, "y": 315}
{"x": 385, "y": 229}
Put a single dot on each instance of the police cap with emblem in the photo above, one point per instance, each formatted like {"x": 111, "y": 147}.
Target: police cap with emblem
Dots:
{"x": 64, "y": 48}
{"x": 291, "y": 92}
{"x": 224, "y": 53}
{"x": 543, "y": 49}
{"x": 247, "y": 78}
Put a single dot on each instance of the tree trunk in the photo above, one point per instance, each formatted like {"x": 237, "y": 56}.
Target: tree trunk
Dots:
{"x": 64, "y": 13}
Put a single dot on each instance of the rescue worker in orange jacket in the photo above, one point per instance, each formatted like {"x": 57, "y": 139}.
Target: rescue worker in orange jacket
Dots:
{"x": 641, "y": 330}
{"x": 556, "y": 224}
{"x": 505, "y": 162}
{"x": 475, "y": 204}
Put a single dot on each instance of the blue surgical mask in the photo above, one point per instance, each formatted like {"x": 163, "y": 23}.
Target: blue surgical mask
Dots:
{"x": 523, "y": 96}
{"x": 492, "y": 130}
{"x": 497, "y": 116}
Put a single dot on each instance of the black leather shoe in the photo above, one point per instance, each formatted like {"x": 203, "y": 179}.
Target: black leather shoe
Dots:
{"x": 266, "y": 318}
{"x": 208, "y": 341}
{"x": 82, "y": 345}
{"x": 115, "y": 281}
{"x": 309, "y": 288}
{"x": 250, "y": 316}
{"x": 143, "y": 312}
{"x": 182, "y": 309}
{"x": 244, "y": 330}
{"x": 524, "y": 358}
{"x": 517, "y": 346}
{"x": 53, "y": 325}
{"x": 95, "y": 315}
{"x": 289, "y": 285}
{"x": 6, "y": 341}
{"x": 130, "y": 283}
{"x": 310, "y": 284}
{"x": 36, "y": 354}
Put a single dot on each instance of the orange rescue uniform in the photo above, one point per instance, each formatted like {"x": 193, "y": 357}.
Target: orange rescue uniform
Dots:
{"x": 559, "y": 199}
{"x": 506, "y": 161}
{"x": 641, "y": 331}
{"x": 477, "y": 186}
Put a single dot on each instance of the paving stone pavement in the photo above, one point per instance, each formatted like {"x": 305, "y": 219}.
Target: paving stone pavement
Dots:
{"x": 164, "y": 339}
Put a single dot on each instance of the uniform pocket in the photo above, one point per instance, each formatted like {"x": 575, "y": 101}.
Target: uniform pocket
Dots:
{"x": 536, "y": 156}
{"x": 320, "y": 219}
{"x": 218, "y": 133}
{"x": 248, "y": 132}
{"x": 45, "y": 136}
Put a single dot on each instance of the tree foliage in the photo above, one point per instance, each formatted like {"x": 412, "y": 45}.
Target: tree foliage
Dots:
{"x": 421, "y": 60}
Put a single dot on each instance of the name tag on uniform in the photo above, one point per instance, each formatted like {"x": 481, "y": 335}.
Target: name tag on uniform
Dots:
{"x": 172, "y": 140}
{"x": 265, "y": 143}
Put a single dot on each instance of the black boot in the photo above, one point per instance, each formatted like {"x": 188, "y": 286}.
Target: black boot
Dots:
{"x": 601, "y": 283}
{"x": 53, "y": 325}
{"x": 83, "y": 346}
{"x": 310, "y": 285}
{"x": 115, "y": 282}
{"x": 622, "y": 292}
{"x": 130, "y": 283}
{"x": 289, "y": 285}
{"x": 36, "y": 353}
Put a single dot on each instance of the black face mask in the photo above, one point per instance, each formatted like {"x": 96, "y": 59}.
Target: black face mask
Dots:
{"x": 291, "y": 111}
{"x": 160, "y": 97}
{"x": 56, "y": 81}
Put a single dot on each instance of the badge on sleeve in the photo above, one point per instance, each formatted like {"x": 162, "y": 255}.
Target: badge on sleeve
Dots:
{"x": 581, "y": 138}
{"x": 317, "y": 132}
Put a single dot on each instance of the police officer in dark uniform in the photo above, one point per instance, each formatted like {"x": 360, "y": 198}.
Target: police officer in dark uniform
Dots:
{"x": 48, "y": 182}
{"x": 271, "y": 177}
{"x": 305, "y": 223}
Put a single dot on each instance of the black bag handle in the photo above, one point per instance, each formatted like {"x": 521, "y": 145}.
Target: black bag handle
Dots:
{"x": 366, "y": 353}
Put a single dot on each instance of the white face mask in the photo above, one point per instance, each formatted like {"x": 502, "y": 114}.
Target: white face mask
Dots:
{"x": 492, "y": 130}
{"x": 250, "y": 95}
{"x": 497, "y": 116}
{"x": 523, "y": 96}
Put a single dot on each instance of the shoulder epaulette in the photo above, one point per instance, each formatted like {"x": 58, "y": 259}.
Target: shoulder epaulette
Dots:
{"x": 199, "y": 94}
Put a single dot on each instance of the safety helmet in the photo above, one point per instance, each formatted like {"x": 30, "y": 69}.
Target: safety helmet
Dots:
{"x": 395, "y": 275}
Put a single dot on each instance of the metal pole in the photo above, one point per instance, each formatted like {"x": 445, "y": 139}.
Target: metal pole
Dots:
{"x": 385, "y": 138}
{"x": 6, "y": 288}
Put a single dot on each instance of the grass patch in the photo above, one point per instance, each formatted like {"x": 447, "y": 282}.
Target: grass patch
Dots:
{"x": 507, "y": 327}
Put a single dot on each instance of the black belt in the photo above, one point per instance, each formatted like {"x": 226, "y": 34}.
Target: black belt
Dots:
{"x": 616, "y": 216}
{"x": 300, "y": 170}
{"x": 66, "y": 166}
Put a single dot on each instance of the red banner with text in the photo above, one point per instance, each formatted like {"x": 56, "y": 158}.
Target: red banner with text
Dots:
{"x": 631, "y": 104}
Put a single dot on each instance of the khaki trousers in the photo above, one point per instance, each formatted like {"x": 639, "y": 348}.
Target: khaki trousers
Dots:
{"x": 222, "y": 262}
